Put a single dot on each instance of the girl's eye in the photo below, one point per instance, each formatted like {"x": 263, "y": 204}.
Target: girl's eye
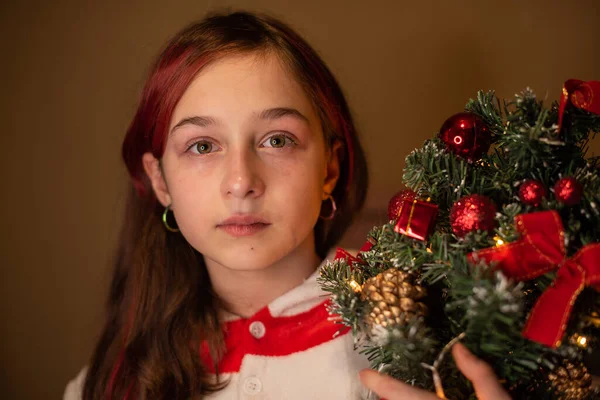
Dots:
{"x": 279, "y": 141}
{"x": 202, "y": 147}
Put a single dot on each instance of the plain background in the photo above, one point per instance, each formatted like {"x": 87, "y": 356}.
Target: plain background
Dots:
{"x": 72, "y": 72}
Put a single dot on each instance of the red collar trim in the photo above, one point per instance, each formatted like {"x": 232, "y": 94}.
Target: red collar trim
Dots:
{"x": 283, "y": 336}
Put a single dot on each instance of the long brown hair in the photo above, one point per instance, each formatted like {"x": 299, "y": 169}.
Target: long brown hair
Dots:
{"x": 161, "y": 305}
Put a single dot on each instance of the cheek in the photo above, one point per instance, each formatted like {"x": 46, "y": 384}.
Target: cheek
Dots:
{"x": 193, "y": 204}
{"x": 298, "y": 190}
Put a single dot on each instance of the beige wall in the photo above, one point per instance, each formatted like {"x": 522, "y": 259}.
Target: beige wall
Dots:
{"x": 72, "y": 71}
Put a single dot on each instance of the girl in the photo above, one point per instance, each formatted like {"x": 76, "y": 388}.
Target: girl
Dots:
{"x": 246, "y": 169}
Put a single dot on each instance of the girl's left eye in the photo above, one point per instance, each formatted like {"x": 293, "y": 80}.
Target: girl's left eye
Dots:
{"x": 278, "y": 141}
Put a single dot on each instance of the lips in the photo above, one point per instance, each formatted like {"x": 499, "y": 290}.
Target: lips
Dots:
{"x": 243, "y": 225}
{"x": 243, "y": 220}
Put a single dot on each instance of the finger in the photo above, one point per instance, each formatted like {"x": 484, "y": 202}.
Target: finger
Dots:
{"x": 392, "y": 389}
{"x": 480, "y": 374}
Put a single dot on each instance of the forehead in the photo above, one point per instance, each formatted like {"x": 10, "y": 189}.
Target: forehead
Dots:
{"x": 243, "y": 84}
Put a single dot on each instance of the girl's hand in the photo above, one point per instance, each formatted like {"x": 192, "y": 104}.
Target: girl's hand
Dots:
{"x": 477, "y": 371}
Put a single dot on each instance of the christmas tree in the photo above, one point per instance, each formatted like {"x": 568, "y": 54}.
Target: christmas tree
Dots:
{"x": 496, "y": 243}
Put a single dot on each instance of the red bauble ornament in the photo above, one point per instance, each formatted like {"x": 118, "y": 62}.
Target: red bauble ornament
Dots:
{"x": 532, "y": 192}
{"x": 395, "y": 204}
{"x": 568, "y": 191}
{"x": 471, "y": 213}
{"x": 466, "y": 135}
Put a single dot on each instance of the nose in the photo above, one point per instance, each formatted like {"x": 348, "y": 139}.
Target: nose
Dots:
{"x": 242, "y": 177}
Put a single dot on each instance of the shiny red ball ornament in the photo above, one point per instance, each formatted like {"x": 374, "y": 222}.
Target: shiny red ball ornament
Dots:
{"x": 466, "y": 135}
{"x": 471, "y": 213}
{"x": 531, "y": 192}
{"x": 568, "y": 191}
{"x": 395, "y": 203}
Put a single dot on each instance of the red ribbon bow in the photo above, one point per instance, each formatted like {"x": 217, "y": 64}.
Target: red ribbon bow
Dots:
{"x": 540, "y": 250}
{"x": 584, "y": 95}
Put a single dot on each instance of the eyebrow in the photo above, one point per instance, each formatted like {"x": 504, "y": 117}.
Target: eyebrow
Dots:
{"x": 280, "y": 112}
{"x": 196, "y": 120}
{"x": 268, "y": 114}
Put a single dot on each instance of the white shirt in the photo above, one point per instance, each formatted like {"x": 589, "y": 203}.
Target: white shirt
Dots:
{"x": 288, "y": 350}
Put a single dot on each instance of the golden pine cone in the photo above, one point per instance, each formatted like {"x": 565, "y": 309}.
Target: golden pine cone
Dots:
{"x": 571, "y": 381}
{"x": 392, "y": 295}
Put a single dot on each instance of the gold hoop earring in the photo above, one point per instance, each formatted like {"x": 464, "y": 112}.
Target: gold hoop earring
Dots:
{"x": 333, "y": 209}
{"x": 165, "y": 222}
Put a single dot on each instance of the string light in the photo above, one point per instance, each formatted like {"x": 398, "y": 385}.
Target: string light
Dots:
{"x": 582, "y": 341}
{"x": 499, "y": 241}
{"x": 355, "y": 286}
{"x": 579, "y": 340}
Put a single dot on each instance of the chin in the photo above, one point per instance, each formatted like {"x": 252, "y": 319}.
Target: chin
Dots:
{"x": 247, "y": 257}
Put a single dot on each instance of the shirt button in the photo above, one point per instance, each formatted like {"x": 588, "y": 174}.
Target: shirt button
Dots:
{"x": 252, "y": 385}
{"x": 257, "y": 329}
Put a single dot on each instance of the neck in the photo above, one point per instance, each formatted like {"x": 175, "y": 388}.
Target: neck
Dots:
{"x": 243, "y": 293}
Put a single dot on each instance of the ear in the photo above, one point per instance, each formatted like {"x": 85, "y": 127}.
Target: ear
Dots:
{"x": 155, "y": 174}
{"x": 332, "y": 173}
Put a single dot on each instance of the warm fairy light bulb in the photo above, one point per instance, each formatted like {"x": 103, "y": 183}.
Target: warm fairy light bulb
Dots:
{"x": 355, "y": 286}
{"x": 499, "y": 241}
{"x": 579, "y": 340}
{"x": 582, "y": 341}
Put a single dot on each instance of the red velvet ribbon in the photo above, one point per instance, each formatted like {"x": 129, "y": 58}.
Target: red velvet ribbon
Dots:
{"x": 340, "y": 253}
{"x": 583, "y": 95}
{"x": 541, "y": 249}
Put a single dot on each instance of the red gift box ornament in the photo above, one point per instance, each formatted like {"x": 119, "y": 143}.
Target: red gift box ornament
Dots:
{"x": 541, "y": 249}
{"x": 416, "y": 219}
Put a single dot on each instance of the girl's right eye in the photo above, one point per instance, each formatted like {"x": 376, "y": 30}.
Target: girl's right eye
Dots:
{"x": 202, "y": 147}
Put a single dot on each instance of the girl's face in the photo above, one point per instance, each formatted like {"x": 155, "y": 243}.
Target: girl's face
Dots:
{"x": 245, "y": 167}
